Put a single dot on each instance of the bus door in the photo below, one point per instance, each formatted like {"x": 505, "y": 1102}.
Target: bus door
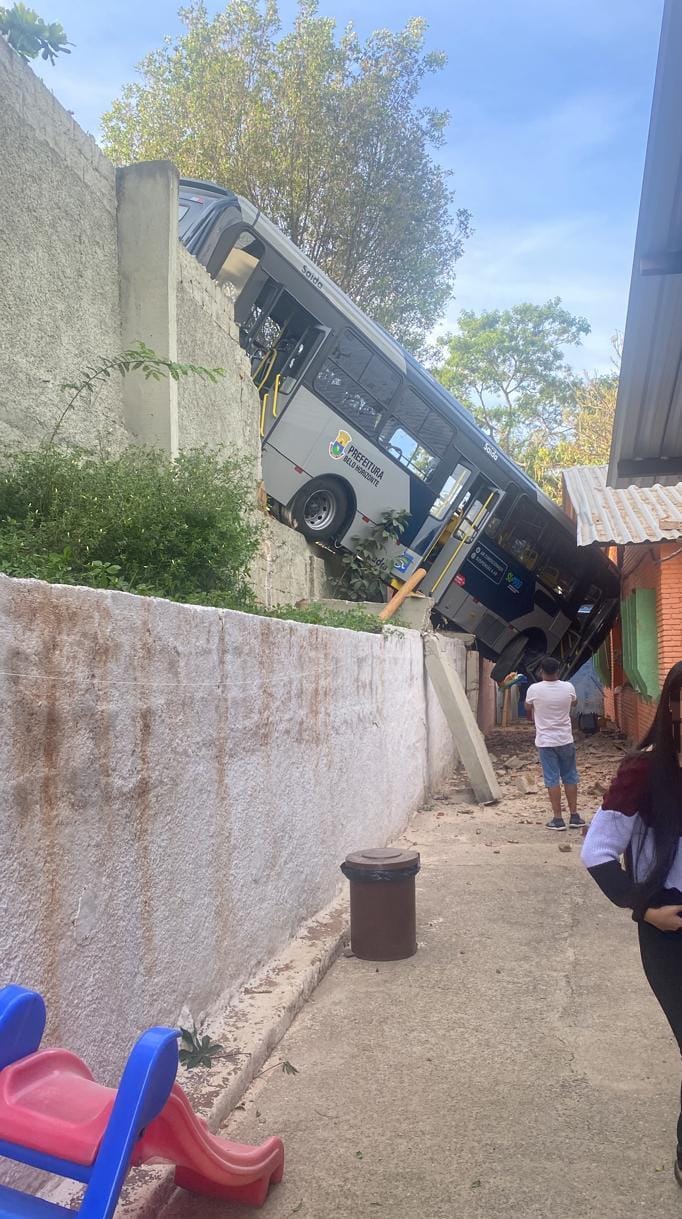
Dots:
{"x": 436, "y": 529}
{"x": 280, "y": 338}
{"x": 459, "y": 536}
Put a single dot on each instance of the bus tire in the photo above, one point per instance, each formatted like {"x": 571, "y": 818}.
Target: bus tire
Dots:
{"x": 320, "y": 509}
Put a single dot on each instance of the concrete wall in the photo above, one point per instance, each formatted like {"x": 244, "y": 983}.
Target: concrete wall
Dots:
{"x": 287, "y": 563}
{"x": 59, "y": 297}
{"x": 179, "y": 788}
{"x": 225, "y": 415}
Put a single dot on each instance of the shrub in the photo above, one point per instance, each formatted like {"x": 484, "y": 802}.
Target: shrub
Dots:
{"x": 368, "y": 569}
{"x": 321, "y": 615}
{"x": 183, "y": 529}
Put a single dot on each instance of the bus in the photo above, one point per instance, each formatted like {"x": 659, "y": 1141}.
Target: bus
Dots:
{"x": 353, "y": 427}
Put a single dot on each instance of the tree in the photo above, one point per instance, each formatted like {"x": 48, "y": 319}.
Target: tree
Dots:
{"x": 592, "y": 423}
{"x": 324, "y": 133}
{"x": 508, "y": 367}
{"x": 30, "y": 35}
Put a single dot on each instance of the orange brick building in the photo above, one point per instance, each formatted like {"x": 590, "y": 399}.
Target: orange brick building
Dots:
{"x": 641, "y": 529}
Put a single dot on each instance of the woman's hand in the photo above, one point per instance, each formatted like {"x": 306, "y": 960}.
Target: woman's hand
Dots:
{"x": 666, "y": 918}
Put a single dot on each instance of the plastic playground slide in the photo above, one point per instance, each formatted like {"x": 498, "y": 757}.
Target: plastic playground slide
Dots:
{"x": 54, "y": 1115}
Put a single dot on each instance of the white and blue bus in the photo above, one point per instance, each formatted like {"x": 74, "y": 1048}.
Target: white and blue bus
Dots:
{"x": 353, "y": 427}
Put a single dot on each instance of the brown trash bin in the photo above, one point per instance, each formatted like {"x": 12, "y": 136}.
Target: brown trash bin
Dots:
{"x": 383, "y": 918}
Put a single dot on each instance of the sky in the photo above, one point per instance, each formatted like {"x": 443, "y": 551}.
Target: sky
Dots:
{"x": 549, "y": 103}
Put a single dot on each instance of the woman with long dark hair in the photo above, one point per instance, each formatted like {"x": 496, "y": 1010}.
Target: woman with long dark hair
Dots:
{"x": 641, "y": 819}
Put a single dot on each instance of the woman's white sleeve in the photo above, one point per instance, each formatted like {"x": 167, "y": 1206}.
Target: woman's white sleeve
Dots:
{"x": 608, "y": 837}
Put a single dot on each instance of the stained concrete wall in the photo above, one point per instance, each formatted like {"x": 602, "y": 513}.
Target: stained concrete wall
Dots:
{"x": 179, "y": 786}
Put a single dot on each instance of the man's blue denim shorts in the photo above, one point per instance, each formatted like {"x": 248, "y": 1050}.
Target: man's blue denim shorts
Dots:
{"x": 558, "y": 764}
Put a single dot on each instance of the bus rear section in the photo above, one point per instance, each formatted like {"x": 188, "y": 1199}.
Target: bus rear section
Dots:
{"x": 521, "y": 585}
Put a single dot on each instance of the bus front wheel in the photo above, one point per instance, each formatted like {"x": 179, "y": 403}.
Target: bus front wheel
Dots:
{"x": 320, "y": 509}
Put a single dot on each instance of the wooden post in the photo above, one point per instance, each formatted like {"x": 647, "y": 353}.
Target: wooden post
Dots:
{"x": 409, "y": 586}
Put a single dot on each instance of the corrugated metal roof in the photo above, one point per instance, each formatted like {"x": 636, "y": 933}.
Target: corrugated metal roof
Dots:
{"x": 634, "y": 514}
{"x": 647, "y": 435}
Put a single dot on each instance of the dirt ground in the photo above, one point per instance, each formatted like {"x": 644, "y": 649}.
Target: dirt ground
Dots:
{"x": 515, "y": 757}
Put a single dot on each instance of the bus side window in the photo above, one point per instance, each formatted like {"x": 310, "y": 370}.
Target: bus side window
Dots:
{"x": 356, "y": 381}
{"x": 241, "y": 261}
{"x": 342, "y": 393}
{"x": 557, "y": 574}
{"x": 521, "y": 532}
{"x": 408, "y": 451}
{"x": 431, "y": 429}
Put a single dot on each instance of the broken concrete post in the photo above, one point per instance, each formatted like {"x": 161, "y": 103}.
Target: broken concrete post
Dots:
{"x": 466, "y": 733}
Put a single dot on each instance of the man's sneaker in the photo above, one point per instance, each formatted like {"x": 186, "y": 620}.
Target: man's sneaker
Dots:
{"x": 678, "y": 1173}
{"x": 557, "y": 823}
{"x": 576, "y": 822}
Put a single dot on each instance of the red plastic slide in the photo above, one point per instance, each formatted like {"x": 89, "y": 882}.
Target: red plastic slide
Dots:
{"x": 50, "y": 1102}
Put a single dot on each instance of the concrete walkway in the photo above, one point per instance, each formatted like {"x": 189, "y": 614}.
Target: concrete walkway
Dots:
{"x": 517, "y": 1066}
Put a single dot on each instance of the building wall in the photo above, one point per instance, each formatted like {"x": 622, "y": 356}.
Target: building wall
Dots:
{"x": 180, "y": 786}
{"x": 656, "y": 566}
{"x": 669, "y": 606}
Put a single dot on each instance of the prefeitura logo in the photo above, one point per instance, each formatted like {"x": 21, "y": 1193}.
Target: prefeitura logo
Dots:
{"x": 338, "y": 447}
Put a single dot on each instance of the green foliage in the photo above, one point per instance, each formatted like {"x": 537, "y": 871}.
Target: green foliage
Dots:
{"x": 138, "y": 358}
{"x": 322, "y": 615}
{"x": 591, "y": 424}
{"x": 30, "y": 36}
{"x": 324, "y": 132}
{"x": 508, "y": 367}
{"x": 197, "y": 1049}
{"x": 369, "y": 567}
{"x": 182, "y": 529}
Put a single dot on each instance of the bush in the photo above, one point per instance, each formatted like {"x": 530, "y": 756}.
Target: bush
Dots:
{"x": 368, "y": 568}
{"x": 183, "y": 529}
{"x": 321, "y": 615}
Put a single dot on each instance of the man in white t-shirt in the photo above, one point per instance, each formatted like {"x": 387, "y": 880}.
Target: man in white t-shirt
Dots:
{"x": 549, "y": 703}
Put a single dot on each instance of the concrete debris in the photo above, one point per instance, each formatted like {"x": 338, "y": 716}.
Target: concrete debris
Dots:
{"x": 526, "y": 784}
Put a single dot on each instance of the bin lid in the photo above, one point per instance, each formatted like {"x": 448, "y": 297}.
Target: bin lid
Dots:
{"x": 385, "y": 858}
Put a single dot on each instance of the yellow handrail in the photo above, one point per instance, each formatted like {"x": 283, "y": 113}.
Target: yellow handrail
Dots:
{"x": 272, "y": 354}
{"x": 275, "y": 395}
{"x": 263, "y": 409}
{"x": 463, "y": 541}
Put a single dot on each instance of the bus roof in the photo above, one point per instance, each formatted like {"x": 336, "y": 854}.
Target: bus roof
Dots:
{"x": 390, "y": 347}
